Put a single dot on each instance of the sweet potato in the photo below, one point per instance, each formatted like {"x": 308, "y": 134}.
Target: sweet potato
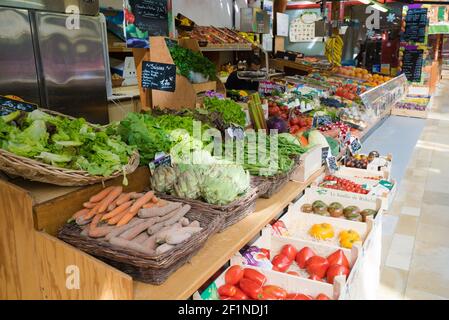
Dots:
{"x": 194, "y": 224}
{"x": 164, "y": 248}
{"x": 191, "y": 230}
{"x": 101, "y": 195}
{"x": 150, "y": 243}
{"x": 162, "y": 234}
{"x": 184, "y": 222}
{"x": 110, "y": 198}
{"x": 156, "y": 211}
{"x": 168, "y": 219}
{"x": 137, "y": 229}
{"x": 177, "y": 237}
{"x": 119, "y": 230}
{"x": 141, "y": 238}
{"x": 126, "y": 244}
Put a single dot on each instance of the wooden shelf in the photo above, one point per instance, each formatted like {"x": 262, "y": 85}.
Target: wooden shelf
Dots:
{"x": 221, "y": 247}
{"x": 279, "y": 64}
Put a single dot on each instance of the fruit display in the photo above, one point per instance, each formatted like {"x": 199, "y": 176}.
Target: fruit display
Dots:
{"x": 361, "y": 161}
{"x": 251, "y": 284}
{"x": 372, "y": 80}
{"x": 306, "y": 263}
{"x": 333, "y": 182}
{"x": 350, "y": 91}
{"x": 338, "y": 127}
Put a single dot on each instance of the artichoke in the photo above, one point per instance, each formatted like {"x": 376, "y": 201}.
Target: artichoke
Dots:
{"x": 187, "y": 185}
{"x": 163, "y": 179}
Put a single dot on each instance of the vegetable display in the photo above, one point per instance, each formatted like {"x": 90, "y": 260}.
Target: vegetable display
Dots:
{"x": 188, "y": 61}
{"x": 333, "y": 182}
{"x": 251, "y": 284}
{"x": 231, "y": 111}
{"x": 337, "y": 210}
{"x": 63, "y": 142}
{"x": 137, "y": 221}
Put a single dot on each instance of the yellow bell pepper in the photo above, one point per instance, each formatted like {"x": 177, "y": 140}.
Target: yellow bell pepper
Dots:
{"x": 322, "y": 231}
{"x": 348, "y": 242}
{"x": 348, "y": 238}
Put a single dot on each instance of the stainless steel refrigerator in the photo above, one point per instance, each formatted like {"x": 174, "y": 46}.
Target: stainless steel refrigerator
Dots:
{"x": 58, "y": 67}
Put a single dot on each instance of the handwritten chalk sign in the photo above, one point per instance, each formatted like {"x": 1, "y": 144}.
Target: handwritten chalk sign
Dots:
{"x": 8, "y": 105}
{"x": 143, "y": 19}
{"x": 159, "y": 76}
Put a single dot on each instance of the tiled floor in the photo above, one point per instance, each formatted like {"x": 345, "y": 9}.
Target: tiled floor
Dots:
{"x": 415, "y": 255}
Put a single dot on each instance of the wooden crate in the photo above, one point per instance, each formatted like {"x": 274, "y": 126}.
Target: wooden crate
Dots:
{"x": 310, "y": 164}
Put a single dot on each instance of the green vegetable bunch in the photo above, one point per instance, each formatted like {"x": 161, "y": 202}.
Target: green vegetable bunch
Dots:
{"x": 63, "y": 142}
{"x": 187, "y": 60}
{"x": 231, "y": 111}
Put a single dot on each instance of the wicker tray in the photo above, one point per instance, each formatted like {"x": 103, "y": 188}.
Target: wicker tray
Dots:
{"x": 231, "y": 213}
{"x": 154, "y": 269}
{"x": 38, "y": 171}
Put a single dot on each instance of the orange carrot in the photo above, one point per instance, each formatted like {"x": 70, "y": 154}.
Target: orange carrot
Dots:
{"x": 92, "y": 212}
{"x": 101, "y": 195}
{"x": 148, "y": 205}
{"x": 89, "y": 205}
{"x": 126, "y": 218}
{"x": 118, "y": 210}
{"x": 115, "y": 219}
{"x": 161, "y": 203}
{"x": 124, "y": 198}
{"x": 114, "y": 194}
{"x": 141, "y": 201}
{"x": 155, "y": 199}
{"x": 80, "y": 213}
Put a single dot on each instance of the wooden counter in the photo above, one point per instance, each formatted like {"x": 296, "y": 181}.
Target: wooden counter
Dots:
{"x": 285, "y": 65}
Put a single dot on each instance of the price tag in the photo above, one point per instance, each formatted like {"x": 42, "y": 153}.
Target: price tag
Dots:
{"x": 161, "y": 159}
{"x": 331, "y": 163}
{"x": 9, "y": 104}
{"x": 354, "y": 145}
{"x": 324, "y": 154}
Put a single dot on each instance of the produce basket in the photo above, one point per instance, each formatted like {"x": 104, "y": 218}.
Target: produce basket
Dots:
{"x": 153, "y": 269}
{"x": 39, "y": 171}
{"x": 230, "y": 214}
{"x": 268, "y": 186}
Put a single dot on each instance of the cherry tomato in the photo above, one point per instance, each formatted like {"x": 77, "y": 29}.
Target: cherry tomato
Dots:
{"x": 275, "y": 291}
{"x": 234, "y": 275}
{"x": 289, "y": 251}
{"x": 255, "y": 276}
{"x": 227, "y": 290}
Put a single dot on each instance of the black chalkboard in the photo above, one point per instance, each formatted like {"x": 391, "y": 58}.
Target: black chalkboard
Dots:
{"x": 10, "y": 105}
{"x": 158, "y": 76}
{"x": 151, "y": 16}
{"x": 415, "y": 25}
{"x": 412, "y": 62}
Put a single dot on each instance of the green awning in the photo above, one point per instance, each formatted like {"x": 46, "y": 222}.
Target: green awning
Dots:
{"x": 439, "y": 29}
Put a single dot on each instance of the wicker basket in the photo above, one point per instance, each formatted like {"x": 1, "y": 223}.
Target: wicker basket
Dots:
{"x": 38, "y": 171}
{"x": 153, "y": 269}
{"x": 231, "y": 213}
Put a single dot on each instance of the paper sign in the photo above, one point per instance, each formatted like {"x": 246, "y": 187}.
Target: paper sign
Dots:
{"x": 160, "y": 159}
{"x": 331, "y": 163}
{"x": 159, "y": 76}
{"x": 8, "y": 105}
{"x": 354, "y": 145}
{"x": 282, "y": 24}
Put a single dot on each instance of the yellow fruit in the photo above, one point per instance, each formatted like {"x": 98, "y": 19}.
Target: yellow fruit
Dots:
{"x": 322, "y": 231}
{"x": 349, "y": 234}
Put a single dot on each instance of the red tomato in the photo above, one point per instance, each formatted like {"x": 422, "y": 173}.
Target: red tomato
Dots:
{"x": 255, "y": 276}
{"x": 266, "y": 252}
{"x": 275, "y": 291}
{"x": 234, "y": 275}
{"x": 322, "y": 296}
{"x": 294, "y": 129}
{"x": 317, "y": 265}
{"x": 298, "y": 296}
{"x": 251, "y": 288}
{"x": 281, "y": 262}
{"x": 239, "y": 295}
{"x": 336, "y": 270}
{"x": 289, "y": 251}
{"x": 303, "y": 256}
{"x": 227, "y": 290}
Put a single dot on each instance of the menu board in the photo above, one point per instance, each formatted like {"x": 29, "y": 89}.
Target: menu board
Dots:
{"x": 8, "y": 105}
{"x": 144, "y": 18}
{"x": 412, "y": 62}
{"x": 159, "y": 76}
{"x": 302, "y": 29}
{"x": 415, "y": 25}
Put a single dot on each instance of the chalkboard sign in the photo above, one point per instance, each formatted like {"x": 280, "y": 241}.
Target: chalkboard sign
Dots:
{"x": 8, "y": 105}
{"x": 412, "y": 62}
{"x": 144, "y": 18}
{"x": 159, "y": 76}
{"x": 415, "y": 25}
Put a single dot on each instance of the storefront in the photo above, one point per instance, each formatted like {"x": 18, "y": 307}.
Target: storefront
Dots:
{"x": 162, "y": 150}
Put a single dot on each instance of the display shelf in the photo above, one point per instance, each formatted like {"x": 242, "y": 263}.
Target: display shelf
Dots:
{"x": 279, "y": 64}
{"x": 221, "y": 247}
{"x": 222, "y": 49}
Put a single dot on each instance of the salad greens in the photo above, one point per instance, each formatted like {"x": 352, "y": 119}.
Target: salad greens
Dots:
{"x": 231, "y": 111}
{"x": 187, "y": 60}
{"x": 63, "y": 142}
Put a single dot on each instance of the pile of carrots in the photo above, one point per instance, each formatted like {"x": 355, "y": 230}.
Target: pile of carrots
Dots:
{"x": 116, "y": 207}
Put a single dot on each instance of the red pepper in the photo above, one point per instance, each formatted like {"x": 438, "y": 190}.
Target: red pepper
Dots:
{"x": 281, "y": 263}
{"x": 255, "y": 276}
{"x": 251, "y": 288}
